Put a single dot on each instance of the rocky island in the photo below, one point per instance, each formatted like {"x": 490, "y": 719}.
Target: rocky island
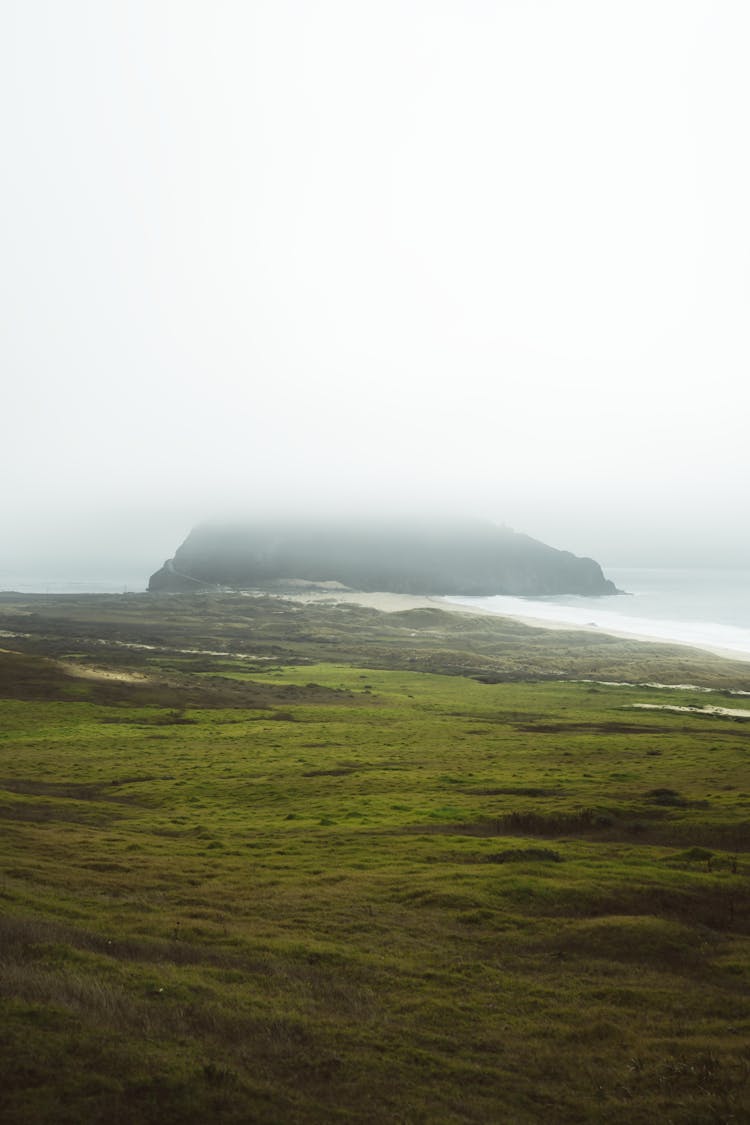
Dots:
{"x": 459, "y": 557}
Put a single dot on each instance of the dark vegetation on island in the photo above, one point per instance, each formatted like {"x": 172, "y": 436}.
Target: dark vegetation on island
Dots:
{"x": 469, "y": 557}
{"x": 269, "y": 861}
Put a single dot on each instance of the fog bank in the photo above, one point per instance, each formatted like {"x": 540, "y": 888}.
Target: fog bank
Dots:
{"x": 485, "y": 258}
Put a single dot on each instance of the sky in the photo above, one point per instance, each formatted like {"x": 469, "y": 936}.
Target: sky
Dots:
{"x": 487, "y": 258}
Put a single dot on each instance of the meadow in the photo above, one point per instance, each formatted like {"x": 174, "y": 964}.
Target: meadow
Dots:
{"x": 266, "y": 862}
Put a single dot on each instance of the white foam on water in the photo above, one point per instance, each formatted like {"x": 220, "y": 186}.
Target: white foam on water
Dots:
{"x": 701, "y": 608}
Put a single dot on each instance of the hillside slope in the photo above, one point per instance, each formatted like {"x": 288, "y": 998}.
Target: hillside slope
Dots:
{"x": 452, "y": 557}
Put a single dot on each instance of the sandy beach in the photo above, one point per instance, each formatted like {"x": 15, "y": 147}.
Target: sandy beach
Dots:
{"x": 398, "y": 603}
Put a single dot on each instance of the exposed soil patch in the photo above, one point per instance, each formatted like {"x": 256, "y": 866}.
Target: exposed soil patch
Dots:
{"x": 86, "y": 672}
{"x": 339, "y": 771}
{"x": 42, "y": 813}
{"x": 647, "y": 825}
{"x": 24, "y": 676}
{"x": 516, "y": 791}
{"x": 77, "y": 791}
{"x": 595, "y": 728}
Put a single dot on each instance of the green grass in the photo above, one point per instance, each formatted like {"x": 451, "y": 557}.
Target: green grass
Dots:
{"x": 328, "y": 890}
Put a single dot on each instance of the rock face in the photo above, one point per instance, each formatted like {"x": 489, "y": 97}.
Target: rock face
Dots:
{"x": 450, "y": 557}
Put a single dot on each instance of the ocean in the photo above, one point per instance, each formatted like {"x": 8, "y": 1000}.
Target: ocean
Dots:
{"x": 34, "y": 584}
{"x": 707, "y": 608}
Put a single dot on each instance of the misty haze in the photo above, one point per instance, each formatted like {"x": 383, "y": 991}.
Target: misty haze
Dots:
{"x": 374, "y": 562}
{"x": 488, "y": 260}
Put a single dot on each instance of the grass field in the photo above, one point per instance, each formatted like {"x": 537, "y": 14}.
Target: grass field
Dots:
{"x": 323, "y": 864}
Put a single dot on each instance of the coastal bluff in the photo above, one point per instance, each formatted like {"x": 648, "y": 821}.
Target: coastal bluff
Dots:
{"x": 459, "y": 557}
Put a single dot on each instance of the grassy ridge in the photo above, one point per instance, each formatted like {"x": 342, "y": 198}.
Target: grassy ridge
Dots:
{"x": 244, "y": 889}
{"x": 265, "y": 629}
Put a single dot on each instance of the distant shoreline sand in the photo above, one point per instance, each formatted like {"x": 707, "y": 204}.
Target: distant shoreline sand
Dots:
{"x": 388, "y": 602}
{"x": 395, "y": 603}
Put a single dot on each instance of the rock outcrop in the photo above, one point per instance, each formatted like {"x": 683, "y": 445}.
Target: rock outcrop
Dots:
{"x": 469, "y": 557}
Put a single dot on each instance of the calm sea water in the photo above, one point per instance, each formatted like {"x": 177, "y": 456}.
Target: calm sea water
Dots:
{"x": 705, "y": 608}
{"x": 26, "y": 584}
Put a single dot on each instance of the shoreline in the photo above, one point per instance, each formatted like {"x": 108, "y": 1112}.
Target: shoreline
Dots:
{"x": 387, "y": 602}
